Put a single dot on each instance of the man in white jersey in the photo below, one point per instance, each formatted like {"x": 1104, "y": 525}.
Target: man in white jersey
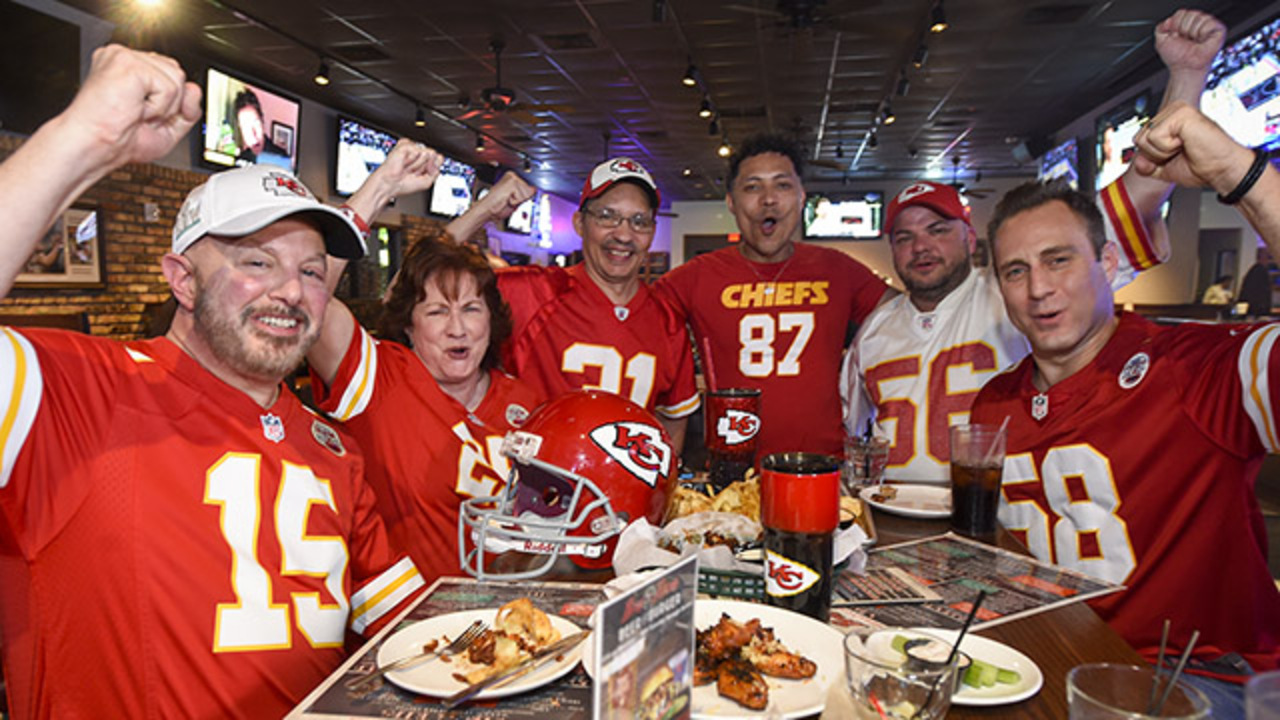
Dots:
{"x": 920, "y": 358}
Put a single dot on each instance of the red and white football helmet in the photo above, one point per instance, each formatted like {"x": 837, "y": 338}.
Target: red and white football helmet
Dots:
{"x": 585, "y": 465}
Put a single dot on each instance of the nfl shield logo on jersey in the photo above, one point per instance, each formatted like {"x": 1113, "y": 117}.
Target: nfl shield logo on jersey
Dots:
{"x": 1134, "y": 370}
{"x": 1040, "y": 406}
{"x": 272, "y": 428}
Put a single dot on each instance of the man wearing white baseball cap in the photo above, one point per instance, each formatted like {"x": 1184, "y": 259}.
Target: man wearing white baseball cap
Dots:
{"x": 205, "y": 540}
{"x": 597, "y": 325}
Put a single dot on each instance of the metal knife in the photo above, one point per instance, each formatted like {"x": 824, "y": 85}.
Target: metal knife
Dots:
{"x": 538, "y": 659}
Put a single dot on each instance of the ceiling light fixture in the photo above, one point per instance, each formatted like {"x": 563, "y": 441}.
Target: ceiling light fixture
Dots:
{"x": 528, "y": 164}
{"x": 420, "y": 119}
{"x": 839, "y": 151}
{"x": 690, "y": 78}
{"x": 479, "y": 143}
{"x": 904, "y": 85}
{"x": 888, "y": 116}
{"x": 687, "y": 172}
{"x": 938, "y": 22}
{"x": 921, "y": 57}
{"x": 872, "y": 140}
{"x": 322, "y": 73}
{"x": 705, "y": 111}
{"x": 725, "y": 149}
{"x": 714, "y": 128}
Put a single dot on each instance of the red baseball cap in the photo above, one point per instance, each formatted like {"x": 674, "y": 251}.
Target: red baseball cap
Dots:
{"x": 942, "y": 199}
{"x": 615, "y": 170}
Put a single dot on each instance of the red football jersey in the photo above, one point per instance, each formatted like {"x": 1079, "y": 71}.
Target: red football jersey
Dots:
{"x": 780, "y": 328}
{"x": 568, "y": 335}
{"x": 425, "y": 452}
{"x": 169, "y": 548}
{"x": 1139, "y": 469}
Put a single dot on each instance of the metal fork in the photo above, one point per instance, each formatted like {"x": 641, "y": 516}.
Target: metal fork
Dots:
{"x": 460, "y": 643}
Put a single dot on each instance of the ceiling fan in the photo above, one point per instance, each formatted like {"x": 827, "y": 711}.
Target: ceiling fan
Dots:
{"x": 499, "y": 100}
{"x": 964, "y": 189}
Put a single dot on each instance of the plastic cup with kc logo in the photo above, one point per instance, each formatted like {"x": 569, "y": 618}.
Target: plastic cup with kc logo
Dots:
{"x": 800, "y": 498}
{"x": 733, "y": 422}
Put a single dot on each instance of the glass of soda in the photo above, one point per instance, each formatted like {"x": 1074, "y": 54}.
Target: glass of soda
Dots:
{"x": 800, "y": 509}
{"x": 977, "y": 463}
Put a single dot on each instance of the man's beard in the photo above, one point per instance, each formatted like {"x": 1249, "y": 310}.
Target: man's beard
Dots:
{"x": 272, "y": 357}
{"x": 938, "y": 289}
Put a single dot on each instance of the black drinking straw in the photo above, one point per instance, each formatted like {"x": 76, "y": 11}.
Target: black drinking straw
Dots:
{"x": 973, "y": 612}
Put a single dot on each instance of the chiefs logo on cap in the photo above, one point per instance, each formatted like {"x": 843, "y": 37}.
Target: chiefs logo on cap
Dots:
{"x": 281, "y": 184}
{"x": 625, "y": 165}
{"x": 637, "y": 447}
{"x": 914, "y": 191}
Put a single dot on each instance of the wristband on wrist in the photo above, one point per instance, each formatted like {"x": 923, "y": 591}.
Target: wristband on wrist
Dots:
{"x": 1260, "y": 158}
{"x": 356, "y": 220}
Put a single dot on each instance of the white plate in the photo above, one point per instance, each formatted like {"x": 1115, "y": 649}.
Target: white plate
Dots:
{"x": 995, "y": 653}
{"x": 817, "y": 641}
{"x": 435, "y": 677}
{"x": 915, "y": 501}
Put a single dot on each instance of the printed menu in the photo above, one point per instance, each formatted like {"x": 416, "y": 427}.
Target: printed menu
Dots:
{"x": 644, "y": 641}
{"x": 956, "y": 568}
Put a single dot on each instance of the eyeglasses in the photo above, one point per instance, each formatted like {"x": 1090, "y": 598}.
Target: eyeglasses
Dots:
{"x": 609, "y": 219}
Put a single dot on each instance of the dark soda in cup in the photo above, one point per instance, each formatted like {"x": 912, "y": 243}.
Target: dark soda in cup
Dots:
{"x": 800, "y": 496}
{"x": 733, "y": 422}
{"x": 977, "y": 462}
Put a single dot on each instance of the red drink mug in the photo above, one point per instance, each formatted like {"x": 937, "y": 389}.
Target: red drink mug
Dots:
{"x": 732, "y": 424}
{"x": 800, "y": 509}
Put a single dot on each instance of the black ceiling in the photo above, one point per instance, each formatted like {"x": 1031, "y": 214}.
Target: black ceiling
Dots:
{"x": 591, "y": 74}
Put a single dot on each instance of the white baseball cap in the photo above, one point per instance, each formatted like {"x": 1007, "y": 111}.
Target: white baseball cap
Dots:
{"x": 615, "y": 170}
{"x": 242, "y": 201}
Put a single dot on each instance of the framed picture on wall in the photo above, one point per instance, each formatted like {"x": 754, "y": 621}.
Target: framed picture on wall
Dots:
{"x": 282, "y": 136}
{"x": 69, "y": 255}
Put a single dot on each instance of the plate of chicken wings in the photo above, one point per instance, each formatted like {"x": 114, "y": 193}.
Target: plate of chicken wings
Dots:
{"x": 755, "y": 661}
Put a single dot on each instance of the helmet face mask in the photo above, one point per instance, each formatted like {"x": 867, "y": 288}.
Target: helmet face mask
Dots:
{"x": 584, "y": 466}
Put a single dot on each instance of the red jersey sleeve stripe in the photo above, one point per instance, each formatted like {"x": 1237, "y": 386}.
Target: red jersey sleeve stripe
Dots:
{"x": 384, "y": 593}
{"x": 1254, "y": 364}
{"x": 20, "y": 371}
{"x": 682, "y": 409}
{"x": 1130, "y": 231}
{"x": 355, "y": 397}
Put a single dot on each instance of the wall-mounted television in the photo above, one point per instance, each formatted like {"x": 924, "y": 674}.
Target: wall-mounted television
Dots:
{"x": 1242, "y": 92}
{"x": 521, "y": 219}
{"x": 1114, "y": 137}
{"x": 1062, "y": 161}
{"x": 451, "y": 193}
{"x": 245, "y": 124}
{"x": 846, "y": 215}
{"x": 361, "y": 150}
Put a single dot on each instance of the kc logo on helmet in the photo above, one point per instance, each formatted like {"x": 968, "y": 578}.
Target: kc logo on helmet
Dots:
{"x": 637, "y": 447}
{"x": 784, "y": 577}
{"x": 737, "y": 426}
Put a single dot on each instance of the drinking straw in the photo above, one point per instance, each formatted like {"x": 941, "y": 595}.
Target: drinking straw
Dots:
{"x": 708, "y": 368}
{"x": 866, "y": 454}
{"x": 973, "y": 612}
{"x": 1173, "y": 679}
{"x": 991, "y": 451}
{"x": 1155, "y": 679}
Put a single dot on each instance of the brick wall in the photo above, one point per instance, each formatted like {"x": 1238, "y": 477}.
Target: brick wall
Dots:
{"x": 131, "y": 248}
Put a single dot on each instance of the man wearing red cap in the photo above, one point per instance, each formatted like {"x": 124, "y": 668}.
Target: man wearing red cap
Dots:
{"x": 920, "y": 359}
{"x": 596, "y": 324}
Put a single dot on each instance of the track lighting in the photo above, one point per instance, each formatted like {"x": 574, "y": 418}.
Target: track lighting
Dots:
{"x": 920, "y": 57}
{"x": 904, "y": 85}
{"x": 690, "y": 78}
{"x": 705, "y": 111}
{"x": 938, "y": 22}
{"x": 873, "y": 141}
{"x": 687, "y": 172}
{"x": 714, "y": 128}
{"x": 888, "y": 117}
{"x": 528, "y": 164}
{"x": 479, "y": 143}
{"x": 420, "y": 120}
{"x": 322, "y": 73}
{"x": 725, "y": 150}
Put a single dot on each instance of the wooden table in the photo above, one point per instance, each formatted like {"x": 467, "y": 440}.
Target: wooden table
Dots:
{"x": 1057, "y": 640}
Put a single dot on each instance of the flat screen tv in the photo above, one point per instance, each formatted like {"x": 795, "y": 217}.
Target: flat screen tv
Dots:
{"x": 246, "y": 124}
{"x": 1062, "y": 161}
{"x": 1242, "y": 93}
{"x": 361, "y": 150}
{"x": 451, "y": 193}
{"x": 847, "y": 215}
{"x": 521, "y": 219}
{"x": 1114, "y": 137}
